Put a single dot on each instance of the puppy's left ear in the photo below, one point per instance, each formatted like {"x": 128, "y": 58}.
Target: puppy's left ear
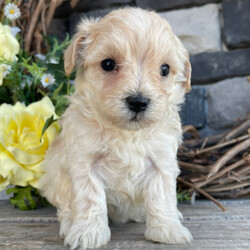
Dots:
{"x": 187, "y": 74}
{"x": 74, "y": 54}
{"x": 184, "y": 59}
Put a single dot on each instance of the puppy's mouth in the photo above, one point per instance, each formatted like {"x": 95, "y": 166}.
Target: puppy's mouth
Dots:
{"x": 136, "y": 118}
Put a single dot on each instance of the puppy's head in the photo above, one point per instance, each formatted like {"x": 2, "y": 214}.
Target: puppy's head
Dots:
{"x": 130, "y": 66}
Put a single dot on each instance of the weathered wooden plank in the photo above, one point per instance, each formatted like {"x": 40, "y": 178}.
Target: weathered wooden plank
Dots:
{"x": 201, "y": 210}
{"x": 10, "y": 214}
{"x": 211, "y": 229}
{"x": 207, "y": 235}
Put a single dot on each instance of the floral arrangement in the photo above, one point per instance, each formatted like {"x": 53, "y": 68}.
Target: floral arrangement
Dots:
{"x": 32, "y": 97}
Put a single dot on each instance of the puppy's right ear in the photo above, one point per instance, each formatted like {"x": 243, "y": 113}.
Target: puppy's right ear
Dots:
{"x": 74, "y": 54}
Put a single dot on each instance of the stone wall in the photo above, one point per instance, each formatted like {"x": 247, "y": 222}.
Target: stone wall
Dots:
{"x": 217, "y": 35}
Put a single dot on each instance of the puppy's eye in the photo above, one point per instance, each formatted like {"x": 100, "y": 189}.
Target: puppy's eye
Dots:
{"x": 164, "y": 69}
{"x": 108, "y": 65}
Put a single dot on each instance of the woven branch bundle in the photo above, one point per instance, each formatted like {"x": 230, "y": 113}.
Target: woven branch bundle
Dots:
{"x": 36, "y": 16}
{"x": 217, "y": 166}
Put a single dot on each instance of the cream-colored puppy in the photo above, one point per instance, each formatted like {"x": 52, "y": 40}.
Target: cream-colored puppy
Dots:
{"x": 116, "y": 154}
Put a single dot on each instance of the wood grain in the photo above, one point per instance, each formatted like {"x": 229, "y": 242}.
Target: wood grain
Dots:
{"x": 210, "y": 227}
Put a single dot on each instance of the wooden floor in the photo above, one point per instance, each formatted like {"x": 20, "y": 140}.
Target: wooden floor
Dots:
{"x": 210, "y": 227}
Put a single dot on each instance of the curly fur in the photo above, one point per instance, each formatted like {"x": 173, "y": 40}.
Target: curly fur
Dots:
{"x": 104, "y": 163}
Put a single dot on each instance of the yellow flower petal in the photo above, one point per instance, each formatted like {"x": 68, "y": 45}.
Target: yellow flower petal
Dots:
{"x": 9, "y": 47}
{"x": 44, "y": 107}
{"x": 4, "y": 182}
{"x": 23, "y": 157}
{"x": 21, "y": 150}
{"x": 7, "y": 109}
{"x": 38, "y": 171}
{"x": 52, "y": 132}
{"x": 15, "y": 173}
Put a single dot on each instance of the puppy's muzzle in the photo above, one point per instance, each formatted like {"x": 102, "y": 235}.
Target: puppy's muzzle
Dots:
{"x": 137, "y": 103}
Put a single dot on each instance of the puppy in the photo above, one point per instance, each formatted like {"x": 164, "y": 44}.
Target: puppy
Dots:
{"x": 116, "y": 154}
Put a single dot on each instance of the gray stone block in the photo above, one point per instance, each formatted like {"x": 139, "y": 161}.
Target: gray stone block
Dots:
{"x": 193, "y": 110}
{"x": 171, "y": 4}
{"x": 236, "y": 15}
{"x": 75, "y": 18}
{"x": 191, "y": 26}
{"x": 98, "y": 4}
{"x": 227, "y": 101}
{"x": 59, "y": 28}
{"x": 212, "y": 67}
{"x": 65, "y": 9}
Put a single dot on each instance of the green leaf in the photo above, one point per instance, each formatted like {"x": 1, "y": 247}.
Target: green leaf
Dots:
{"x": 183, "y": 195}
{"x": 57, "y": 90}
{"x": 48, "y": 122}
{"x": 22, "y": 197}
{"x": 61, "y": 105}
{"x": 26, "y": 198}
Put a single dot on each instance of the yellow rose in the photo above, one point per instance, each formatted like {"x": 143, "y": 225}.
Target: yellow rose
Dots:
{"x": 21, "y": 151}
{"x": 9, "y": 47}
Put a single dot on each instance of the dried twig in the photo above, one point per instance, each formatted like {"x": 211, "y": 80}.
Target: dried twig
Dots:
{"x": 221, "y": 173}
{"x": 192, "y": 130}
{"x": 229, "y": 155}
{"x": 220, "y": 145}
{"x": 244, "y": 170}
{"x": 202, "y": 192}
{"x": 193, "y": 143}
{"x": 237, "y": 131}
{"x": 227, "y": 187}
{"x": 192, "y": 167}
{"x": 73, "y": 3}
{"x": 204, "y": 144}
{"x": 233, "y": 194}
{"x": 53, "y": 5}
{"x": 220, "y": 167}
{"x": 33, "y": 23}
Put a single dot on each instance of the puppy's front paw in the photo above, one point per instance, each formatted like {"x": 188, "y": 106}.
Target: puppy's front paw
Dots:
{"x": 85, "y": 235}
{"x": 65, "y": 226}
{"x": 171, "y": 233}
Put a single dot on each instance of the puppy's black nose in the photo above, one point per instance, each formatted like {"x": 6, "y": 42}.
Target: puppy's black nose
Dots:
{"x": 137, "y": 103}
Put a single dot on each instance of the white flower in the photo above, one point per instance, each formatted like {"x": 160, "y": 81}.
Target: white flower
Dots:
{"x": 6, "y": 69}
{"x": 29, "y": 83}
{"x": 11, "y": 11}
{"x": 47, "y": 79}
{"x": 40, "y": 56}
{"x": 15, "y": 31}
{"x": 53, "y": 61}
